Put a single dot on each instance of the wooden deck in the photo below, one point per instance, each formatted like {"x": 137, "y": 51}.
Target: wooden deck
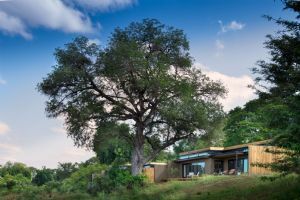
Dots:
{"x": 184, "y": 179}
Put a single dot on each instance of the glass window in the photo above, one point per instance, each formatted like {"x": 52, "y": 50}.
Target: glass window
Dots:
{"x": 195, "y": 168}
{"x": 245, "y": 165}
{"x": 231, "y": 164}
{"x": 218, "y": 166}
{"x": 242, "y": 164}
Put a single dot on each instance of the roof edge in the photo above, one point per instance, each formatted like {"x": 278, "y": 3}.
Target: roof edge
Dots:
{"x": 226, "y": 148}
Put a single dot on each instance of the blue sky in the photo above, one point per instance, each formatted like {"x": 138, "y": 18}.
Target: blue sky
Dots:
{"x": 226, "y": 39}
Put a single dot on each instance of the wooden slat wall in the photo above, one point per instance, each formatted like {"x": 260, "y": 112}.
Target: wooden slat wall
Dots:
{"x": 174, "y": 170}
{"x": 209, "y": 166}
{"x": 225, "y": 164}
{"x": 149, "y": 172}
{"x": 258, "y": 154}
{"x": 161, "y": 173}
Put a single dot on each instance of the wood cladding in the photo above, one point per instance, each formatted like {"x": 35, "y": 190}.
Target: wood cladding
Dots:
{"x": 149, "y": 172}
{"x": 258, "y": 154}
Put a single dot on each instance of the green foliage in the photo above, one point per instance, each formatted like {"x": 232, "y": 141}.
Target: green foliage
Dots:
{"x": 144, "y": 75}
{"x": 91, "y": 182}
{"x": 11, "y": 182}
{"x": 214, "y": 136}
{"x": 260, "y": 119}
{"x": 15, "y": 169}
{"x": 216, "y": 187}
{"x": 243, "y": 126}
{"x": 109, "y": 145}
{"x": 116, "y": 178}
{"x": 280, "y": 78}
{"x": 64, "y": 170}
{"x": 14, "y": 176}
{"x": 43, "y": 176}
{"x": 276, "y": 113}
{"x": 165, "y": 156}
{"x": 83, "y": 177}
{"x": 94, "y": 179}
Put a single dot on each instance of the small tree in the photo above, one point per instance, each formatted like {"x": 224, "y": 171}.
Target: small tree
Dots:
{"x": 144, "y": 78}
{"x": 16, "y": 168}
{"x": 43, "y": 176}
{"x": 64, "y": 170}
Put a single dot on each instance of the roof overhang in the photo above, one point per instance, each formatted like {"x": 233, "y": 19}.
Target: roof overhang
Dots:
{"x": 225, "y": 148}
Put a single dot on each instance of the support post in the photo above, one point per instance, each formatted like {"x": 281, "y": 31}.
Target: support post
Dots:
{"x": 236, "y": 163}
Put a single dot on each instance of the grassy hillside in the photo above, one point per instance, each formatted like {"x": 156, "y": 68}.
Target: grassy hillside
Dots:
{"x": 206, "y": 188}
{"x": 220, "y": 187}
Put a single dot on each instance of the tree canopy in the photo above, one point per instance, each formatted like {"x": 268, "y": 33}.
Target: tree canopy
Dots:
{"x": 143, "y": 78}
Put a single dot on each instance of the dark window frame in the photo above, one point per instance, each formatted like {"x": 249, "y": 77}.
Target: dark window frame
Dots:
{"x": 218, "y": 166}
{"x": 193, "y": 168}
{"x": 239, "y": 166}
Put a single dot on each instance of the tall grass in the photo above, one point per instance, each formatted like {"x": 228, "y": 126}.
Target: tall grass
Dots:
{"x": 204, "y": 188}
{"x": 218, "y": 187}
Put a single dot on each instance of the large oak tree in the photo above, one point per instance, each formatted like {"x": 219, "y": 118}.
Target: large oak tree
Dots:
{"x": 142, "y": 84}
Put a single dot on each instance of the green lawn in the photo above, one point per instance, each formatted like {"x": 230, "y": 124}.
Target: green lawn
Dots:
{"x": 219, "y": 187}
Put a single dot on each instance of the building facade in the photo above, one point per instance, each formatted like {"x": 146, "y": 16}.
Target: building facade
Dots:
{"x": 238, "y": 159}
{"x": 233, "y": 160}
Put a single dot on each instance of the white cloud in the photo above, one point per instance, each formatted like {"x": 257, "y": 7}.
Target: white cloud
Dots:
{"x": 9, "y": 148}
{"x": 238, "y": 92}
{"x": 76, "y": 152}
{"x": 13, "y": 25}
{"x": 219, "y": 45}
{"x": 2, "y": 81}
{"x": 104, "y": 5}
{"x": 8, "y": 152}
{"x": 95, "y": 40}
{"x": 60, "y": 127}
{"x": 4, "y": 128}
{"x": 59, "y": 130}
{"x": 4, "y": 159}
{"x": 18, "y": 15}
{"x": 232, "y": 26}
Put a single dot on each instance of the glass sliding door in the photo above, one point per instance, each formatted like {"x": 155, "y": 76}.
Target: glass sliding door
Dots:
{"x": 192, "y": 169}
{"x": 242, "y": 164}
{"x": 218, "y": 166}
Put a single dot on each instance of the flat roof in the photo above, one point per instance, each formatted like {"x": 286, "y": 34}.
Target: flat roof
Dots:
{"x": 225, "y": 148}
{"x": 150, "y": 163}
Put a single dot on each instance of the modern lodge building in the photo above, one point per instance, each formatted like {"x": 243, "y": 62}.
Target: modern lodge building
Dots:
{"x": 232, "y": 160}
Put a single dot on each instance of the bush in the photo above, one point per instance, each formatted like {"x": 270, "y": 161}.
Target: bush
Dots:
{"x": 52, "y": 186}
{"x": 11, "y": 182}
{"x": 14, "y": 169}
{"x": 83, "y": 179}
{"x": 116, "y": 179}
{"x": 28, "y": 192}
{"x": 43, "y": 176}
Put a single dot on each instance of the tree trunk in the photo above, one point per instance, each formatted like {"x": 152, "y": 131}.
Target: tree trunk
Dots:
{"x": 137, "y": 161}
{"x": 137, "y": 157}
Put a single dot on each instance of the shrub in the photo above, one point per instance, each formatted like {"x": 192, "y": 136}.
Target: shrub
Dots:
{"x": 10, "y": 181}
{"x": 116, "y": 178}
{"x": 52, "y": 186}
{"x": 14, "y": 169}
{"x": 83, "y": 179}
{"x": 43, "y": 176}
